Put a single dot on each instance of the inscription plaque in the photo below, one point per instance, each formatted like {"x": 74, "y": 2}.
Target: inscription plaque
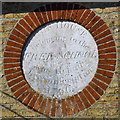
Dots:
{"x": 60, "y": 59}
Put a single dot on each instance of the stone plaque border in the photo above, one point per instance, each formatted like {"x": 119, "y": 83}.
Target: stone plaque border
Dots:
{"x": 102, "y": 78}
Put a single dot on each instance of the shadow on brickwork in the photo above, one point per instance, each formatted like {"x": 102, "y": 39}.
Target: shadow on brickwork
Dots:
{"x": 22, "y": 7}
{"x": 23, "y": 118}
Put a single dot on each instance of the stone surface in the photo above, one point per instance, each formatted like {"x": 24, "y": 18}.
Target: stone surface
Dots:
{"x": 60, "y": 59}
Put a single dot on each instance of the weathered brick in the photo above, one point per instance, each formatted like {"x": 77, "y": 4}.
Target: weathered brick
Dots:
{"x": 2, "y": 16}
{"x": 4, "y": 35}
{"x": 111, "y": 9}
{"x": 106, "y": 16}
{"x": 98, "y": 10}
{"x": 19, "y": 15}
{"x": 8, "y": 28}
{"x": 17, "y": 106}
{"x": 115, "y": 16}
{"x": 97, "y": 112}
{"x": 30, "y": 113}
{"x": 8, "y": 100}
{"x": 111, "y": 105}
{"x": 10, "y": 15}
{"x": 117, "y": 22}
{"x": 1, "y": 28}
{"x": 113, "y": 111}
{"x": 117, "y": 37}
{"x": 9, "y": 22}
{"x": 110, "y": 23}
{"x": 7, "y": 113}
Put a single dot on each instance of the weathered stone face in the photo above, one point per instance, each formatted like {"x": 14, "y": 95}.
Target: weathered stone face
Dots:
{"x": 60, "y": 59}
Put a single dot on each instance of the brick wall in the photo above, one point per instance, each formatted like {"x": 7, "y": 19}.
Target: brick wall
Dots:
{"x": 105, "y": 107}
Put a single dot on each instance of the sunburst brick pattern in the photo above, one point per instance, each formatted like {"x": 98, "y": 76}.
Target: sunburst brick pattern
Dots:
{"x": 96, "y": 88}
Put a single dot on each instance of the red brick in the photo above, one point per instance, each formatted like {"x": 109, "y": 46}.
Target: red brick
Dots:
{"x": 93, "y": 93}
{"x": 15, "y": 81}
{"x": 110, "y": 62}
{"x": 92, "y": 22}
{"x": 59, "y": 12}
{"x": 102, "y": 85}
{"x": 29, "y": 21}
{"x": 58, "y": 109}
{"x": 18, "y": 34}
{"x": 48, "y": 106}
{"x": 14, "y": 44}
{"x": 12, "y": 76}
{"x": 39, "y": 17}
{"x": 110, "y": 44}
{"x": 17, "y": 39}
{"x": 48, "y": 10}
{"x": 85, "y": 101}
{"x": 74, "y": 105}
{"x": 11, "y": 60}
{"x": 106, "y": 67}
{"x": 103, "y": 78}
{"x": 64, "y": 11}
{"x": 8, "y": 54}
{"x": 43, "y": 12}
{"x": 12, "y": 49}
{"x": 103, "y": 34}
{"x": 29, "y": 97}
{"x": 33, "y": 17}
{"x": 69, "y": 107}
{"x": 13, "y": 70}
{"x": 20, "y": 91}
{"x": 105, "y": 56}
{"x": 80, "y": 12}
{"x": 69, "y": 11}
{"x": 21, "y": 29}
{"x": 24, "y": 95}
{"x": 88, "y": 19}
{"x": 32, "y": 102}
{"x": 104, "y": 40}
{"x": 25, "y": 25}
{"x": 108, "y": 50}
{"x": 106, "y": 73}
{"x": 53, "y": 108}
{"x": 37, "y": 103}
{"x": 64, "y": 109}
{"x": 54, "y": 8}
{"x": 80, "y": 104}
{"x": 96, "y": 88}
{"x": 6, "y": 66}
{"x": 99, "y": 30}
{"x": 85, "y": 14}
{"x": 75, "y": 10}
{"x": 18, "y": 86}
{"x": 96, "y": 26}
{"x": 89, "y": 97}
{"x": 42, "y": 106}
{"x": 75, "y": 110}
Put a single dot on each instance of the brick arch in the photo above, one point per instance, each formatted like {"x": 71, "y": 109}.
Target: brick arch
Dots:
{"x": 101, "y": 80}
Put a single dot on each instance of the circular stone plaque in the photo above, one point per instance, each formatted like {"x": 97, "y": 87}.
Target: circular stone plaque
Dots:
{"x": 60, "y": 59}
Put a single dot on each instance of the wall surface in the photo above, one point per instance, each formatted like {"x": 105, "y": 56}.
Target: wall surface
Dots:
{"x": 105, "y": 107}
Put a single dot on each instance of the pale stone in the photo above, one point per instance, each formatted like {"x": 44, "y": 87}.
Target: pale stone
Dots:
{"x": 60, "y": 59}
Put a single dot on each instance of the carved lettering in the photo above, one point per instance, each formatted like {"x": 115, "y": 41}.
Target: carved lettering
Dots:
{"x": 60, "y": 59}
